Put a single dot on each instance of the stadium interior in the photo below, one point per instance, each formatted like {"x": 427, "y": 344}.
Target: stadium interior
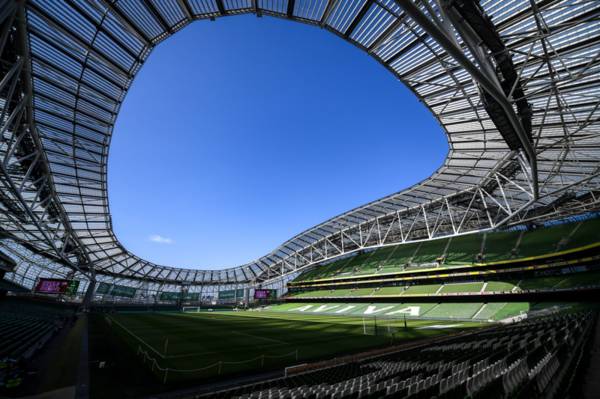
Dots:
{"x": 482, "y": 280}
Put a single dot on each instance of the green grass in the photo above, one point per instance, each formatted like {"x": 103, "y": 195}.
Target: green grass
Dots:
{"x": 243, "y": 342}
{"x": 356, "y": 312}
{"x": 412, "y": 310}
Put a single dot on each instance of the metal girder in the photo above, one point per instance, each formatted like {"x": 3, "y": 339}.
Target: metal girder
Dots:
{"x": 449, "y": 216}
{"x": 221, "y": 7}
{"x": 481, "y": 77}
{"x": 290, "y": 8}
{"x": 481, "y": 185}
{"x": 28, "y": 186}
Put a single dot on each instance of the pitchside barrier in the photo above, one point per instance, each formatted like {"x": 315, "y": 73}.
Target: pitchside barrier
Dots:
{"x": 209, "y": 370}
{"x": 220, "y": 367}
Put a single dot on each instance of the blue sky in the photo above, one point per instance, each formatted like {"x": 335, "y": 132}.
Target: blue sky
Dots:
{"x": 240, "y": 133}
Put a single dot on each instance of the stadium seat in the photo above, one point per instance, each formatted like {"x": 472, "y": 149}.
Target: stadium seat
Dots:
{"x": 491, "y": 363}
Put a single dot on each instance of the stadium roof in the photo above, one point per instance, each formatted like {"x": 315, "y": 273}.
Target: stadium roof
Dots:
{"x": 515, "y": 85}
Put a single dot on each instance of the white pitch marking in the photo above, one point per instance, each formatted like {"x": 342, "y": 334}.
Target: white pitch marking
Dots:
{"x": 409, "y": 310}
{"x": 373, "y": 309}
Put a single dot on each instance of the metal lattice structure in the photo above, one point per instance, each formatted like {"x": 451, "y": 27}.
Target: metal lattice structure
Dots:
{"x": 515, "y": 85}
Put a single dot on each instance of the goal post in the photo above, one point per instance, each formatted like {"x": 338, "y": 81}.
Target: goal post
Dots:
{"x": 190, "y": 309}
{"x": 379, "y": 326}
{"x": 368, "y": 326}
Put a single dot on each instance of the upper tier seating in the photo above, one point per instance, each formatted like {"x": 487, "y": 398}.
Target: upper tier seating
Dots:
{"x": 462, "y": 250}
{"x": 531, "y": 359}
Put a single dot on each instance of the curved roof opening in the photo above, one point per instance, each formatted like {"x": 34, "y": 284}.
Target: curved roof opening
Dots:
{"x": 239, "y": 134}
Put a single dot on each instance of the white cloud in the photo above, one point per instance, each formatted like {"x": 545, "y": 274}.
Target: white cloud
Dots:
{"x": 160, "y": 239}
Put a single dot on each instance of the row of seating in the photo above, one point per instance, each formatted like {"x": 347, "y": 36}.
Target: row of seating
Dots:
{"x": 23, "y": 335}
{"x": 25, "y": 328}
{"x": 589, "y": 279}
{"x": 461, "y": 250}
{"x": 518, "y": 360}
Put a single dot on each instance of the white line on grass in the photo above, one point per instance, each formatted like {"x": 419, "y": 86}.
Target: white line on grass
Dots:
{"x": 438, "y": 326}
{"x": 191, "y": 355}
{"x": 136, "y": 337}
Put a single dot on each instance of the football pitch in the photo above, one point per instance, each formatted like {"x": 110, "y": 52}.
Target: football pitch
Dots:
{"x": 193, "y": 346}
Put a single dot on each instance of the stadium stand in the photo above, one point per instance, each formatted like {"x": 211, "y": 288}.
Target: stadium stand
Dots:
{"x": 508, "y": 222}
{"x": 479, "y": 248}
{"x": 532, "y": 359}
{"x": 555, "y": 281}
{"x": 25, "y": 328}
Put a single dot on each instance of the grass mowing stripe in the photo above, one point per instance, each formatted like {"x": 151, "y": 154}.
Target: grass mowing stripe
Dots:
{"x": 242, "y": 342}
{"x": 259, "y": 337}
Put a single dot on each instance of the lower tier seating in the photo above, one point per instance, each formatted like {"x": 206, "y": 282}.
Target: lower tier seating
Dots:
{"x": 531, "y": 359}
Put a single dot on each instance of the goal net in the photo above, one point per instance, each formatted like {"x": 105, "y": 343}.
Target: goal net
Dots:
{"x": 376, "y": 326}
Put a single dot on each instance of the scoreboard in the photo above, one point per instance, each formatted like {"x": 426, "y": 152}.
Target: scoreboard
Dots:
{"x": 265, "y": 294}
{"x": 57, "y": 286}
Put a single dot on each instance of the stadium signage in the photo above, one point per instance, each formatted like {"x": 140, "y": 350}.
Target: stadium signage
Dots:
{"x": 57, "y": 286}
{"x": 265, "y": 294}
{"x": 370, "y": 310}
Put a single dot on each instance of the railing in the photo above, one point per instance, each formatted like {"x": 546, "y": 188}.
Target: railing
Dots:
{"x": 218, "y": 366}
{"x": 144, "y": 349}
